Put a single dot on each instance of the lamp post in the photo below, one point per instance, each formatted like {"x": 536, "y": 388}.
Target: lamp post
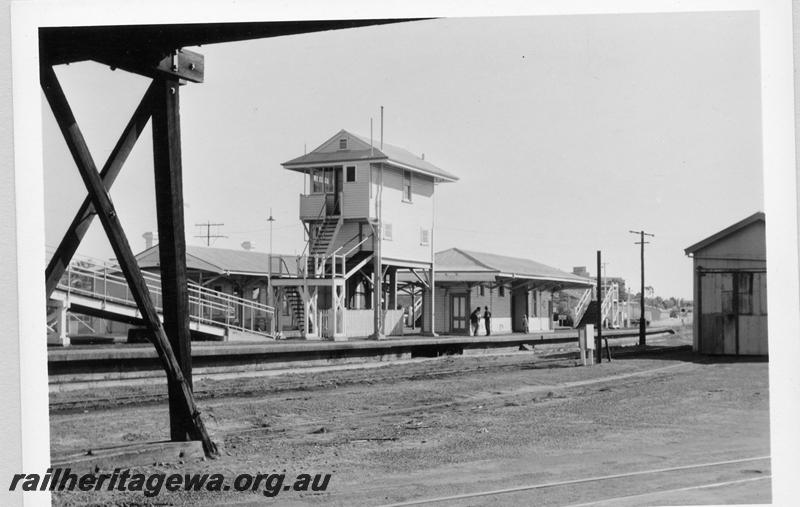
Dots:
{"x": 269, "y": 271}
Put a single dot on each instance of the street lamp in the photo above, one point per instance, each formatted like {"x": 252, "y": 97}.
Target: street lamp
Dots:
{"x": 269, "y": 271}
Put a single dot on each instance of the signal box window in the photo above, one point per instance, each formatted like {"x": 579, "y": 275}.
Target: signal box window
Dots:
{"x": 407, "y": 186}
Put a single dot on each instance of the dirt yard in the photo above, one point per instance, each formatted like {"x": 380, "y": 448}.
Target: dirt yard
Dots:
{"x": 462, "y": 425}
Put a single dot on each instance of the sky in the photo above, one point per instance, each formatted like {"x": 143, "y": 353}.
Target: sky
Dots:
{"x": 566, "y": 133}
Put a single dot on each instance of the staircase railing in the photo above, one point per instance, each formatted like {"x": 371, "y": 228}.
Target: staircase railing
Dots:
{"x": 582, "y": 306}
{"x": 416, "y": 311}
{"x": 105, "y": 283}
{"x": 607, "y": 308}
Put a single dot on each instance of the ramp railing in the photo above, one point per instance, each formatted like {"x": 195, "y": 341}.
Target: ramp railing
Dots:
{"x": 105, "y": 282}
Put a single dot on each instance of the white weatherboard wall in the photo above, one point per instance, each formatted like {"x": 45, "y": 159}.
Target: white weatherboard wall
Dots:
{"x": 360, "y": 323}
{"x": 356, "y": 194}
{"x": 405, "y": 218}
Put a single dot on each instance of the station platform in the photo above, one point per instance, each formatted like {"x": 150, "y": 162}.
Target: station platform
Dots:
{"x": 114, "y": 362}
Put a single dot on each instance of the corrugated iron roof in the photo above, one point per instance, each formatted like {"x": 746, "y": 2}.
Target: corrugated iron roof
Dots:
{"x": 755, "y": 217}
{"x": 369, "y": 151}
{"x": 465, "y": 261}
{"x": 226, "y": 261}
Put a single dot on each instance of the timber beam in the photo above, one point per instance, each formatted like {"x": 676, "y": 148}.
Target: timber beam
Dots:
{"x": 101, "y": 200}
{"x": 161, "y": 63}
{"x": 358, "y": 266}
{"x": 421, "y": 280}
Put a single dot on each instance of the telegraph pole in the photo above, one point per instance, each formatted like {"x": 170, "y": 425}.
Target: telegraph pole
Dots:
{"x": 208, "y": 235}
{"x": 642, "y": 242}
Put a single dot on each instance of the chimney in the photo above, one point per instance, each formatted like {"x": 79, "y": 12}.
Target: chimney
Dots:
{"x": 148, "y": 239}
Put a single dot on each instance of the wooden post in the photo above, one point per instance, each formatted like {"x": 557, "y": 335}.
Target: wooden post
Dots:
{"x": 377, "y": 285}
{"x": 119, "y": 243}
{"x": 642, "y": 319}
{"x": 83, "y": 218}
{"x": 172, "y": 243}
{"x": 393, "y": 288}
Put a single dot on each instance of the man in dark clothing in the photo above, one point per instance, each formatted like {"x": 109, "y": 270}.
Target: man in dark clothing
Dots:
{"x": 487, "y": 320}
{"x": 474, "y": 319}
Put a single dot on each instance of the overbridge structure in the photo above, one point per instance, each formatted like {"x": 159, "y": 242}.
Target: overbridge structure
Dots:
{"x": 156, "y": 52}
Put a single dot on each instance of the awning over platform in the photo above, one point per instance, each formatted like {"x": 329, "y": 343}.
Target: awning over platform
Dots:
{"x": 462, "y": 266}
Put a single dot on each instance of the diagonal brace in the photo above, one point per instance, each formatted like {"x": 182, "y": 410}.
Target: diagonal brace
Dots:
{"x": 83, "y": 218}
{"x": 119, "y": 243}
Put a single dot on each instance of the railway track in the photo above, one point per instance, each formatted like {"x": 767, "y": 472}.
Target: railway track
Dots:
{"x": 725, "y": 468}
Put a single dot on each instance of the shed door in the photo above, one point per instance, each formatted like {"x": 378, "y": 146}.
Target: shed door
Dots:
{"x": 718, "y": 324}
{"x": 458, "y": 311}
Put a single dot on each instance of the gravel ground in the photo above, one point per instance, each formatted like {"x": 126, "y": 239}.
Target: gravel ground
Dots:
{"x": 459, "y": 425}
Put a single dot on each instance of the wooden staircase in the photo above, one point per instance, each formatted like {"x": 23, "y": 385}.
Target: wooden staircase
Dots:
{"x": 321, "y": 244}
{"x": 296, "y": 307}
{"x": 608, "y": 310}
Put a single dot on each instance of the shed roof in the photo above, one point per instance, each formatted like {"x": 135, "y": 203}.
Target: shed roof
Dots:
{"x": 224, "y": 261}
{"x": 360, "y": 148}
{"x": 755, "y": 217}
{"x": 456, "y": 260}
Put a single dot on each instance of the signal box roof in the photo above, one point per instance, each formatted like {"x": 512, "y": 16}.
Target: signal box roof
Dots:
{"x": 347, "y": 147}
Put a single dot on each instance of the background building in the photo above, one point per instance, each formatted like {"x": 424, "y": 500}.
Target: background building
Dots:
{"x": 730, "y": 289}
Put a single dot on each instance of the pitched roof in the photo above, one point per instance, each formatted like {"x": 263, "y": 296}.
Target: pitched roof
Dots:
{"x": 464, "y": 261}
{"x": 755, "y": 217}
{"x": 224, "y": 261}
{"x": 359, "y": 148}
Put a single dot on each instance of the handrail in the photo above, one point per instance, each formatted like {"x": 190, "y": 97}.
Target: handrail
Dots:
{"x": 205, "y": 305}
{"x": 358, "y": 245}
{"x": 319, "y": 215}
{"x": 582, "y": 305}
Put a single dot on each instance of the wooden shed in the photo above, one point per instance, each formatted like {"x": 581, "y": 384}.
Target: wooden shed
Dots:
{"x": 730, "y": 289}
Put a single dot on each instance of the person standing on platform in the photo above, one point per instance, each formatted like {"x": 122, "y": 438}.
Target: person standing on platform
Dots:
{"x": 487, "y": 320}
{"x": 474, "y": 320}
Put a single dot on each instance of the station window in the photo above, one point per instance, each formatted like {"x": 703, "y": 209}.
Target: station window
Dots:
{"x": 407, "y": 186}
{"x": 483, "y": 290}
{"x": 387, "y": 232}
{"x": 424, "y": 237}
{"x": 343, "y": 144}
{"x": 501, "y": 291}
{"x": 351, "y": 174}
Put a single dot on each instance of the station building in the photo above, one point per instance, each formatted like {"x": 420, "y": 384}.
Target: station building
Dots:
{"x": 517, "y": 291}
{"x": 730, "y": 289}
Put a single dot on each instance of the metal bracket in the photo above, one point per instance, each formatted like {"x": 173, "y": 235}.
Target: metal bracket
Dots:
{"x": 183, "y": 64}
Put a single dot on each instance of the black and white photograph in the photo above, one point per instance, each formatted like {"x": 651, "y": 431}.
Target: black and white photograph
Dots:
{"x": 355, "y": 253}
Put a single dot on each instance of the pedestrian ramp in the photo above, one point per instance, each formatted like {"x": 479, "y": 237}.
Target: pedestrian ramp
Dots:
{"x": 99, "y": 289}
